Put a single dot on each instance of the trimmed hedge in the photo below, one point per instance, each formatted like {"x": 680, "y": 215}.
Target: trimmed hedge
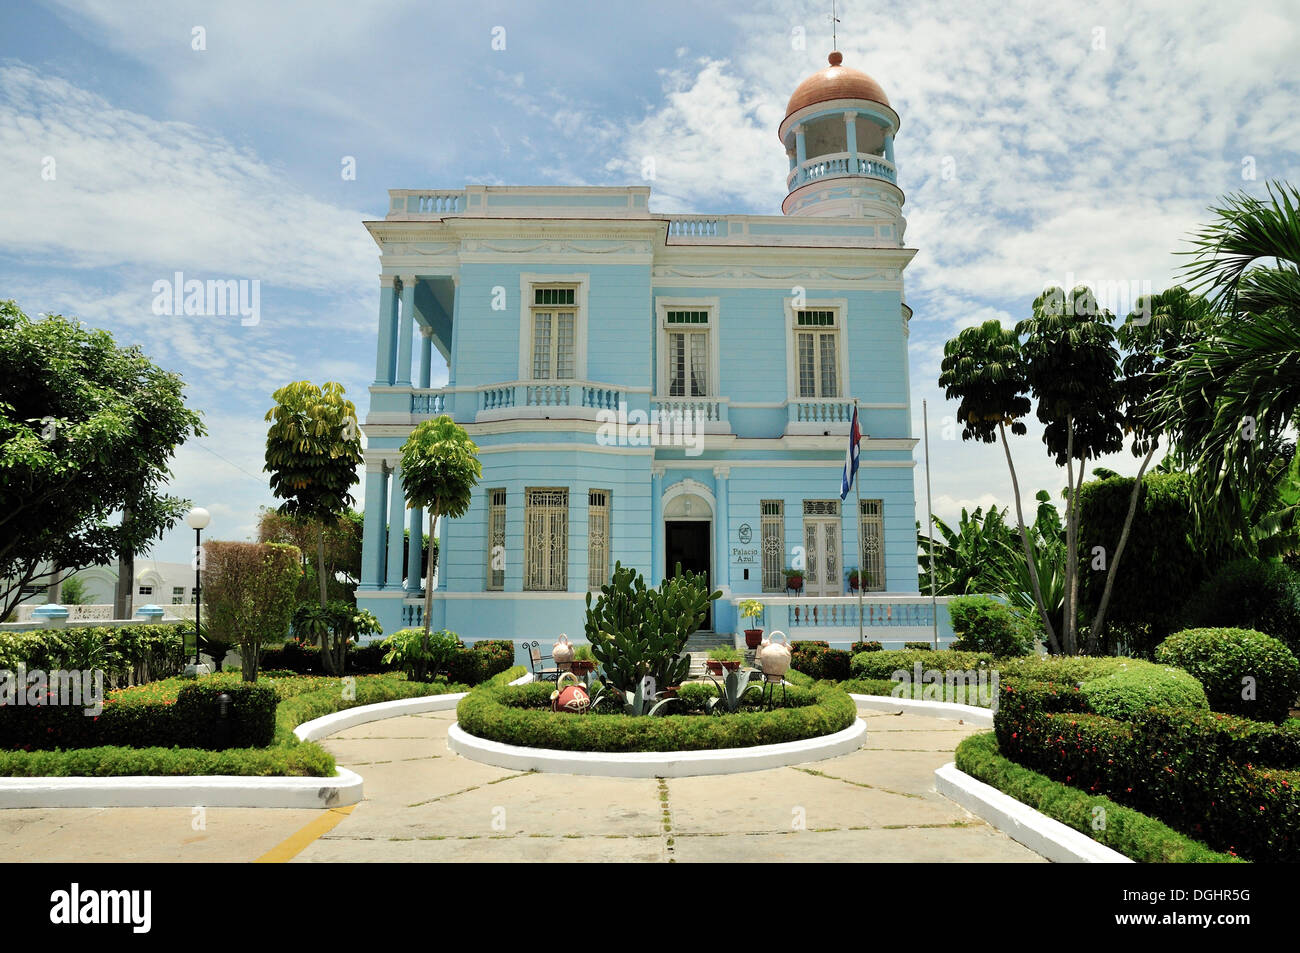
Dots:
{"x": 943, "y": 692}
{"x": 1134, "y": 834}
{"x": 882, "y": 665}
{"x": 1227, "y": 781}
{"x": 471, "y": 665}
{"x": 818, "y": 660}
{"x": 1223, "y": 658}
{"x": 1127, "y": 694}
{"x": 521, "y": 715}
{"x": 983, "y": 624}
{"x": 127, "y": 654}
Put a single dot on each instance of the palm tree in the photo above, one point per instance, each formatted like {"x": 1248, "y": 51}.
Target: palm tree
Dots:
{"x": 1249, "y": 260}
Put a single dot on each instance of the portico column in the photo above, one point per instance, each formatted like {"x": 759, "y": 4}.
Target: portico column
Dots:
{"x": 426, "y": 356}
{"x": 721, "y": 519}
{"x": 396, "y": 512}
{"x": 405, "y": 330}
{"x": 387, "y": 330}
{"x": 656, "y": 526}
{"x": 414, "y": 564}
{"x": 851, "y": 132}
{"x": 373, "y": 539}
{"x": 800, "y": 150}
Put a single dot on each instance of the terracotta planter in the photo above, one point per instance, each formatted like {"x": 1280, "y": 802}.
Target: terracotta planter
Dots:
{"x": 753, "y": 637}
{"x": 714, "y": 666}
{"x": 794, "y": 582}
{"x": 583, "y": 666}
{"x": 669, "y": 692}
{"x": 731, "y": 666}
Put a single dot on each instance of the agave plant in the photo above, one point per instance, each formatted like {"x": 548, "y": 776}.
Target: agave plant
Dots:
{"x": 731, "y": 690}
{"x": 635, "y": 702}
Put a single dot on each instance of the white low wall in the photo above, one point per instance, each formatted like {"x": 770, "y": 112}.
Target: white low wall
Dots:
{"x": 223, "y": 791}
{"x": 970, "y": 714}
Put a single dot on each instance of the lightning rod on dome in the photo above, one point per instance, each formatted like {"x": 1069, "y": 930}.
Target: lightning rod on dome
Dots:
{"x": 835, "y": 42}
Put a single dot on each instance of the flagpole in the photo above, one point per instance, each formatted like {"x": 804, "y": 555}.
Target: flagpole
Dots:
{"x": 929, "y": 508}
{"x": 857, "y": 487}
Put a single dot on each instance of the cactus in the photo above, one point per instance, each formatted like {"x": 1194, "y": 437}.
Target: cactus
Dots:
{"x": 731, "y": 690}
{"x": 636, "y": 631}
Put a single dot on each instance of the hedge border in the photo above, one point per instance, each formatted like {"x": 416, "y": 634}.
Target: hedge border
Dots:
{"x": 1137, "y": 836}
{"x": 483, "y": 714}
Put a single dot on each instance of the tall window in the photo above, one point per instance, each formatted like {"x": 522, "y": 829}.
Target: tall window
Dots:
{"x": 871, "y": 537}
{"x": 496, "y": 550}
{"x": 546, "y": 539}
{"x": 688, "y": 353}
{"x": 554, "y": 317}
{"x": 772, "y": 536}
{"x": 178, "y": 595}
{"x": 597, "y": 538}
{"x": 818, "y": 341}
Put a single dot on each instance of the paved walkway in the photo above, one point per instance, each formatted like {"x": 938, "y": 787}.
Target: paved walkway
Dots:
{"x": 424, "y": 803}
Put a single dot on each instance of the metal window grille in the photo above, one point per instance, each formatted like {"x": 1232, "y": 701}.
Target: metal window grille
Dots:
{"x": 553, "y": 296}
{"x": 496, "y": 569}
{"x": 546, "y": 540}
{"x": 772, "y": 536}
{"x": 597, "y": 538}
{"x": 871, "y": 535}
{"x": 821, "y": 507}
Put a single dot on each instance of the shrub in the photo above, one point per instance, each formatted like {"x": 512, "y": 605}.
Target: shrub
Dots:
{"x": 982, "y": 624}
{"x": 522, "y": 716}
{"x": 883, "y": 664}
{"x": 471, "y": 665}
{"x": 918, "y": 646}
{"x": 866, "y": 647}
{"x": 128, "y": 654}
{"x": 1222, "y": 658}
{"x": 1128, "y": 694}
{"x": 248, "y": 594}
{"x": 1225, "y": 780}
{"x": 1135, "y": 835}
{"x": 819, "y": 662}
{"x": 1250, "y": 594}
{"x": 421, "y": 655}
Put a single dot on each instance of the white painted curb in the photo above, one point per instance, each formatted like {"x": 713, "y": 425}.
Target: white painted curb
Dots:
{"x": 656, "y": 764}
{"x": 225, "y": 790}
{"x": 1038, "y": 832}
{"x": 971, "y": 714}
{"x": 207, "y": 791}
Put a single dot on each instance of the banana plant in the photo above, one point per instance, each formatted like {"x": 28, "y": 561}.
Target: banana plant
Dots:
{"x": 731, "y": 690}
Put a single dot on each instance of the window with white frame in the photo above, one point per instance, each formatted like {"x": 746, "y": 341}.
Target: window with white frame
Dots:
{"x": 688, "y": 352}
{"x": 496, "y": 548}
{"x": 554, "y": 324}
{"x": 546, "y": 539}
{"x": 772, "y": 542}
{"x": 817, "y": 343}
{"x": 146, "y": 590}
{"x": 597, "y": 538}
{"x": 871, "y": 539}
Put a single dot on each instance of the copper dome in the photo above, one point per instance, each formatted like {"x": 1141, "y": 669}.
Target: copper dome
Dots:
{"x": 835, "y": 82}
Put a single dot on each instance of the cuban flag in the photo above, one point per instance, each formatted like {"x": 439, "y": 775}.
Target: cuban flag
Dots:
{"x": 851, "y": 457}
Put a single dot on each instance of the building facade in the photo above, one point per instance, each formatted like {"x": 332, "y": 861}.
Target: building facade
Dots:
{"x": 657, "y": 390}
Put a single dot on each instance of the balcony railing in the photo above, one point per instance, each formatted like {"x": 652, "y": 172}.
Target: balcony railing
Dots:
{"x": 431, "y": 402}
{"x": 841, "y": 163}
{"x": 710, "y": 410}
{"x": 821, "y": 410}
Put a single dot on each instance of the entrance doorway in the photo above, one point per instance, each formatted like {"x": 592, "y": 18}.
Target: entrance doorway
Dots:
{"x": 822, "y": 546}
{"x": 688, "y": 542}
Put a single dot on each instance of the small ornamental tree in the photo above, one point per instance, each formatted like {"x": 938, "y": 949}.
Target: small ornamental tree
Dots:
{"x": 440, "y": 469}
{"x": 248, "y": 591}
{"x": 313, "y": 448}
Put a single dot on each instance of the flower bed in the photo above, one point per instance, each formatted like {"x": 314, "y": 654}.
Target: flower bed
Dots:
{"x": 521, "y": 716}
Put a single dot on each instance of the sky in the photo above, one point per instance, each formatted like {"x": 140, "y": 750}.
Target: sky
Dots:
{"x": 1041, "y": 143}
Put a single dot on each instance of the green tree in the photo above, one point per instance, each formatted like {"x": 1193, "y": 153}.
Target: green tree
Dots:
{"x": 440, "y": 469}
{"x": 87, "y": 429}
{"x": 984, "y": 371}
{"x": 248, "y": 591}
{"x": 72, "y": 592}
{"x": 342, "y": 550}
{"x": 313, "y": 448}
{"x": 1072, "y": 367}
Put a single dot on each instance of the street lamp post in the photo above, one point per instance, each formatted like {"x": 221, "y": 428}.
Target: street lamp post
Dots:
{"x": 196, "y": 519}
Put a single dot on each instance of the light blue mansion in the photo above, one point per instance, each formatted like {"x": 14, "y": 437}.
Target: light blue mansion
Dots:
{"x": 657, "y": 389}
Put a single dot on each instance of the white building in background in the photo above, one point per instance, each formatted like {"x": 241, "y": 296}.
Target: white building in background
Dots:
{"x": 156, "y": 583}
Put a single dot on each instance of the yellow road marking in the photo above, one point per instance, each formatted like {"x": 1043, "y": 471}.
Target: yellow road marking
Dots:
{"x": 296, "y": 843}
